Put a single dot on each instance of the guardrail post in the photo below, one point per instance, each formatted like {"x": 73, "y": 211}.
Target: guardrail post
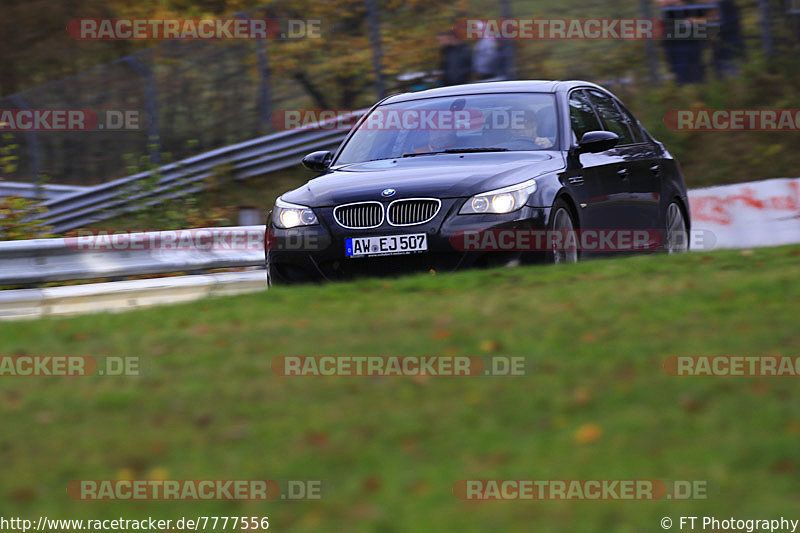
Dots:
{"x": 154, "y": 142}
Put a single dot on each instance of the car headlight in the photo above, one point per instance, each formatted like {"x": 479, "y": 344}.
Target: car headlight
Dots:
{"x": 500, "y": 201}
{"x": 286, "y": 215}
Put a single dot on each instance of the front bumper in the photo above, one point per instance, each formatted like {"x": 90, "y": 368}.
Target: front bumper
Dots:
{"x": 317, "y": 253}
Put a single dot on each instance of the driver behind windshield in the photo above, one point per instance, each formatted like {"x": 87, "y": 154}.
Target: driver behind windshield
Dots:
{"x": 515, "y": 129}
{"x": 525, "y": 129}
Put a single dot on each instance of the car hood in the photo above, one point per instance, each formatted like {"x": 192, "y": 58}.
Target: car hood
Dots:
{"x": 439, "y": 176}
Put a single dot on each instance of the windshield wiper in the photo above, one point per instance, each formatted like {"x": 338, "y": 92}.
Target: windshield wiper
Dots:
{"x": 459, "y": 151}
{"x": 414, "y": 154}
{"x": 471, "y": 150}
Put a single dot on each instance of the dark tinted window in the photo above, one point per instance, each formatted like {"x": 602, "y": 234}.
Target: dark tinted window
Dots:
{"x": 581, "y": 115}
{"x": 613, "y": 119}
{"x": 638, "y": 136}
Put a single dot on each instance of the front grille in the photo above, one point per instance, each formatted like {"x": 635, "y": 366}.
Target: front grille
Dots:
{"x": 413, "y": 211}
{"x": 359, "y": 216}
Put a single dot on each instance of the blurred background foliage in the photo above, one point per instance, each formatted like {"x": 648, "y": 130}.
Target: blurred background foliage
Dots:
{"x": 210, "y": 94}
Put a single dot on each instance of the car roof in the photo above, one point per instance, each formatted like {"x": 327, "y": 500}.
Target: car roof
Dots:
{"x": 539, "y": 86}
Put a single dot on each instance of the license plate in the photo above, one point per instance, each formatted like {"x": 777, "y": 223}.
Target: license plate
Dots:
{"x": 389, "y": 245}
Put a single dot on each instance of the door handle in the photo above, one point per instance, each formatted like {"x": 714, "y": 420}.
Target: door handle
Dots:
{"x": 623, "y": 173}
{"x": 656, "y": 169}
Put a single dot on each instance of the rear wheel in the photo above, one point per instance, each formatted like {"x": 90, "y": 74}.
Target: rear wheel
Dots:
{"x": 676, "y": 238}
{"x": 562, "y": 224}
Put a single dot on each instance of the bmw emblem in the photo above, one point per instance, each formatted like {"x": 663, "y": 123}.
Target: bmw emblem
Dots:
{"x": 388, "y": 192}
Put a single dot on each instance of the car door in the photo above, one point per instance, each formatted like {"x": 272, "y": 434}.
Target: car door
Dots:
{"x": 596, "y": 184}
{"x": 646, "y": 175}
{"x": 638, "y": 206}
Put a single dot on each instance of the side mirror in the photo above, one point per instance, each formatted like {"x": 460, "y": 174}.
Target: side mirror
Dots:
{"x": 593, "y": 142}
{"x": 318, "y": 161}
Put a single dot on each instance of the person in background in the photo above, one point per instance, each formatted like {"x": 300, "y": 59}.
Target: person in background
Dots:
{"x": 729, "y": 46}
{"x": 488, "y": 61}
{"x": 683, "y": 50}
{"x": 456, "y": 63}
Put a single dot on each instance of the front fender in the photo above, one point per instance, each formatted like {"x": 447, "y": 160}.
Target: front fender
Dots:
{"x": 548, "y": 187}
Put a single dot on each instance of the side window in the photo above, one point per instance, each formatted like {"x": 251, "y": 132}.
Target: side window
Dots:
{"x": 581, "y": 115}
{"x": 638, "y": 136}
{"x": 613, "y": 119}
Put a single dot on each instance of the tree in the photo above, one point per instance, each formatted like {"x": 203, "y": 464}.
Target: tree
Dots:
{"x": 336, "y": 68}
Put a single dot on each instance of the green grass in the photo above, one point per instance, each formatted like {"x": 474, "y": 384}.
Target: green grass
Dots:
{"x": 390, "y": 449}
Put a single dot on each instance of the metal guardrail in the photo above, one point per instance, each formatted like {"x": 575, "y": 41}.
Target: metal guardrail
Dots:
{"x": 123, "y": 295}
{"x": 39, "y": 261}
{"x": 244, "y": 160}
{"x": 31, "y": 190}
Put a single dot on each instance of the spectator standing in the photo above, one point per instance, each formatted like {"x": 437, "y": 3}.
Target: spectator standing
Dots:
{"x": 456, "y": 60}
{"x": 730, "y": 44}
{"x": 488, "y": 61}
{"x": 683, "y": 49}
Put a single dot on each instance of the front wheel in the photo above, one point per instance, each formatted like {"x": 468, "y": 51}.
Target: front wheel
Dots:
{"x": 562, "y": 224}
{"x": 270, "y": 274}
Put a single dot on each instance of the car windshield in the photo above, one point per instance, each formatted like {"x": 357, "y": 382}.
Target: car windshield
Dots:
{"x": 455, "y": 124}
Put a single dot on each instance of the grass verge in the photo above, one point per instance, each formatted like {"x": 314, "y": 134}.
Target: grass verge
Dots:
{"x": 597, "y": 405}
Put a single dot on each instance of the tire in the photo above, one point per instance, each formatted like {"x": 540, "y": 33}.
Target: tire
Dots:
{"x": 562, "y": 220}
{"x": 676, "y": 235}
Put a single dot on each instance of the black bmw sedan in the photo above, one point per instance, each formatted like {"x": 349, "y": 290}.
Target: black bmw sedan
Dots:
{"x": 480, "y": 174}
